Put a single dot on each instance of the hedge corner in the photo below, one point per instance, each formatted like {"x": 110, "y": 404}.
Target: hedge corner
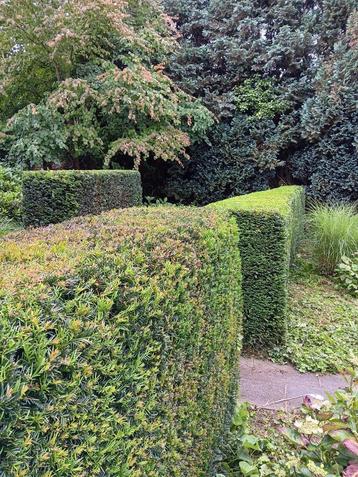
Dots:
{"x": 270, "y": 224}
{"x": 119, "y": 357}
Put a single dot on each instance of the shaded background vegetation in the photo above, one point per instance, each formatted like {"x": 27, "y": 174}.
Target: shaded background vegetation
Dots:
{"x": 281, "y": 76}
{"x": 136, "y": 84}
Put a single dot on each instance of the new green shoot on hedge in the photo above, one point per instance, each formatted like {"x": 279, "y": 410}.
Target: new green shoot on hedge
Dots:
{"x": 119, "y": 344}
{"x": 270, "y": 224}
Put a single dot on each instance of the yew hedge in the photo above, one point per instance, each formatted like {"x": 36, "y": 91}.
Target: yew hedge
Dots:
{"x": 270, "y": 224}
{"x": 119, "y": 343}
{"x": 50, "y": 197}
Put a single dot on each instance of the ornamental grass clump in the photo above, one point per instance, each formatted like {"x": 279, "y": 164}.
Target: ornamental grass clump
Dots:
{"x": 335, "y": 234}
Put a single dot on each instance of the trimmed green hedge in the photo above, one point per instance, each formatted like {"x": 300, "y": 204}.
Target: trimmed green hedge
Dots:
{"x": 119, "y": 343}
{"x": 270, "y": 224}
{"x": 50, "y": 197}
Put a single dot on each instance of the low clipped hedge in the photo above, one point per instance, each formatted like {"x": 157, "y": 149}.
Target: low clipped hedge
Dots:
{"x": 119, "y": 344}
{"x": 270, "y": 224}
{"x": 50, "y": 197}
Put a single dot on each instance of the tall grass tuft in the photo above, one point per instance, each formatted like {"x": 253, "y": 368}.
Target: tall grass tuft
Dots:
{"x": 335, "y": 234}
{"x": 7, "y": 226}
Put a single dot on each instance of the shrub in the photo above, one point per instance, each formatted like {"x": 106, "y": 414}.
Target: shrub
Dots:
{"x": 226, "y": 168}
{"x": 321, "y": 442}
{"x": 335, "y": 234}
{"x": 53, "y": 196}
{"x": 119, "y": 343}
{"x": 10, "y": 193}
{"x": 347, "y": 272}
{"x": 270, "y": 224}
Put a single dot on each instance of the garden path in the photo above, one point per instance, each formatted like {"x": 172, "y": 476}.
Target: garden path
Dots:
{"x": 273, "y": 386}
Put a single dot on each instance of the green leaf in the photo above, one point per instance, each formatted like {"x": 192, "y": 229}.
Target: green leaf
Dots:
{"x": 250, "y": 442}
{"x": 248, "y": 469}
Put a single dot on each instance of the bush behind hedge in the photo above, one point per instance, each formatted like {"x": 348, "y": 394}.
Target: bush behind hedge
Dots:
{"x": 10, "y": 193}
{"x": 270, "y": 224}
{"x": 119, "y": 342}
{"x": 50, "y": 197}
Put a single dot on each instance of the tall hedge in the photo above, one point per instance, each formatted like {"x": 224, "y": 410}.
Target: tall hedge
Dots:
{"x": 50, "y": 197}
{"x": 270, "y": 224}
{"x": 119, "y": 343}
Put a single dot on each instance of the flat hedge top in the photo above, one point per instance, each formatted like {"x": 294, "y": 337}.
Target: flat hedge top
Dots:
{"x": 270, "y": 201}
{"x": 72, "y": 172}
{"x": 27, "y": 257}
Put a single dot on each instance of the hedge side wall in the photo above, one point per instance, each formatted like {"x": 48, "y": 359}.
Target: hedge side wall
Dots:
{"x": 50, "y": 197}
{"x": 270, "y": 223}
{"x": 119, "y": 343}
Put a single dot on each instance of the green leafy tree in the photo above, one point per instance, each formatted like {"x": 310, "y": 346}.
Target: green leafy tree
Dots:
{"x": 105, "y": 93}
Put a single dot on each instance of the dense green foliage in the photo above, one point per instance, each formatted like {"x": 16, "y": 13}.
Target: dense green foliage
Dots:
{"x": 119, "y": 343}
{"x": 347, "y": 273}
{"x": 281, "y": 78}
{"x": 322, "y": 320}
{"x": 83, "y": 82}
{"x": 335, "y": 234}
{"x": 270, "y": 224}
{"x": 50, "y": 197}
{"x": 10, "y": 193}
{"x": 321, "y": 440}
{"x": 218, "y": 169}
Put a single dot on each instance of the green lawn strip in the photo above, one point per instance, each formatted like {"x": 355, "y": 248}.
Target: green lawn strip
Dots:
{"x": 323, "y": 323}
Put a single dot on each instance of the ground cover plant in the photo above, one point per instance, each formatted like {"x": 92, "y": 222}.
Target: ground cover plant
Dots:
{"x": 347, "y": 274}
{"x": 320, "y": 440}
{"x": 50, "y": 197}
{"x": 270, "y": 223}
{"x": 119, "y": 343}
{"x": 322, "y": 321}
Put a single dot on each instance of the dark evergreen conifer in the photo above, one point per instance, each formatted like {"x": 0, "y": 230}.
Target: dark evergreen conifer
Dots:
{"x": 281, "y": 77}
